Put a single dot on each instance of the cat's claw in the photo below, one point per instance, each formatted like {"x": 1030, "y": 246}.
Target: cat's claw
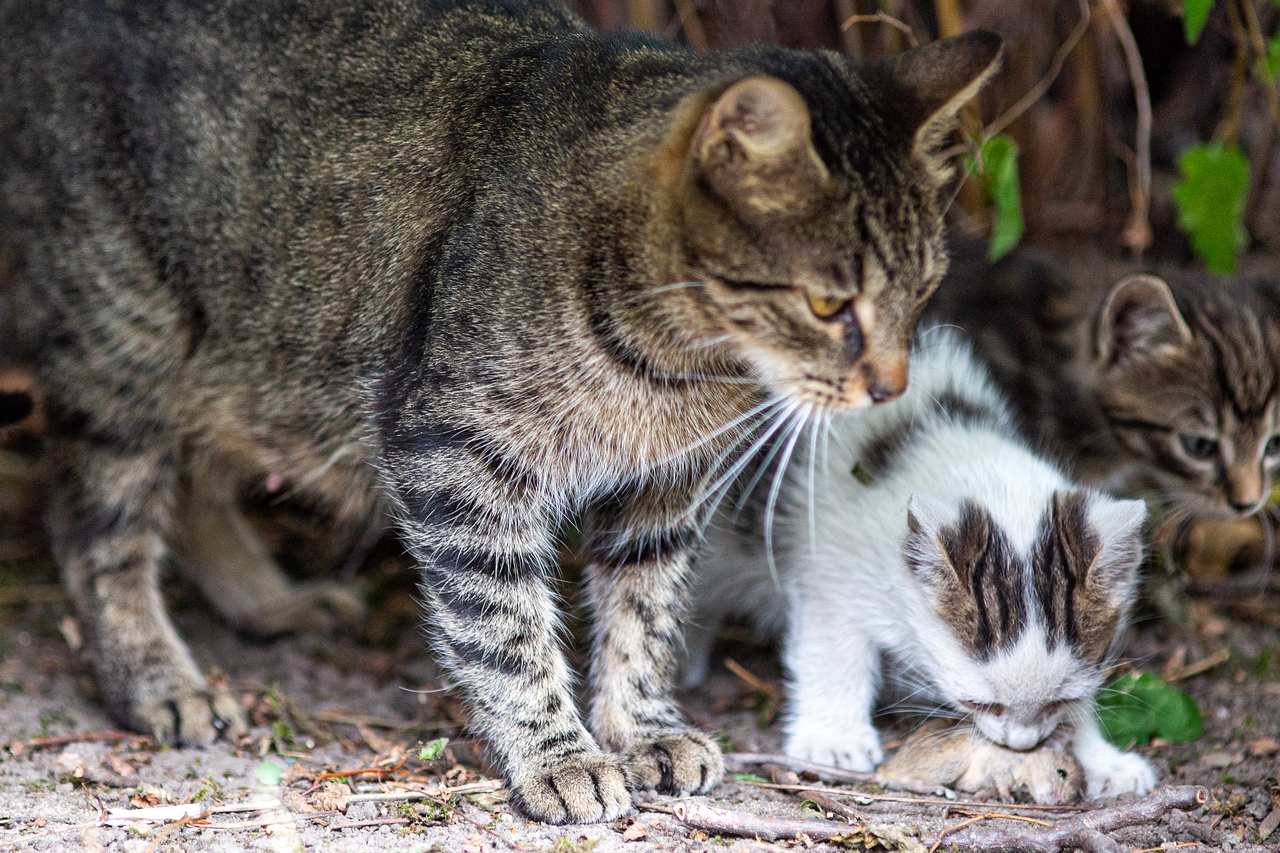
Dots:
{"x": 685, "y": 762}
{"x": 1121, "y": 773}
{"x": 588, "y": 787}
{"x": 849, "y": 750}
{"x": 190, "y": 717}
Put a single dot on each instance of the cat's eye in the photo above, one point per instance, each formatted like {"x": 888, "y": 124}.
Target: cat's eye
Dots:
{"x": 1273, "y": 446}
{"x": 827, "y": 307}
{"x": 983, "y": 708}
{"x": 1062, "y": 773}
{"x": 1198, "y": 446}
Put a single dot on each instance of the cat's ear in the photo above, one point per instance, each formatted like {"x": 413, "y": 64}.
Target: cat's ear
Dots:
{"x": 1118, "y": 526}
{"x": 926, "y": 517}
{"x": 1139, "y": 317}
{"x": 755, "y": 148}
{"x": 941, "y": 77}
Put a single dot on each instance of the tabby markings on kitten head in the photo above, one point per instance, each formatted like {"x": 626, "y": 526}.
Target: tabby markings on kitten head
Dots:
{"x": 1057, "y": 604}
{"x": 1188, "y": 380}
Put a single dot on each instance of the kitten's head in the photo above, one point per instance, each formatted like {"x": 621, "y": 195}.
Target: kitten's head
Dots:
{"x": 805, "y": 197}
{"x": 1026, "y": 614}
{"x": 1188, "y": 379}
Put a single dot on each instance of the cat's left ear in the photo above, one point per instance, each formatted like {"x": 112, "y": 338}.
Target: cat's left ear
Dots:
{"x": 1118, "y": 525}
{"x": 941, "y": 77}
{"x": 754, "y": 147}
{"x": 1140, "y": 317}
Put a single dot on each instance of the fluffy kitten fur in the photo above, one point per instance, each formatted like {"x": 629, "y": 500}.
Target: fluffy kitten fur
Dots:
{"x": 982, "y": 577}
{"x": 1136, "y": 381}
{"x": 473, "y": 260}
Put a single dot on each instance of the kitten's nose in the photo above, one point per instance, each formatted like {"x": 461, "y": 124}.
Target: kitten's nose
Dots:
{"x": 1244, "y": 487}
{"x": 880, "y": 391}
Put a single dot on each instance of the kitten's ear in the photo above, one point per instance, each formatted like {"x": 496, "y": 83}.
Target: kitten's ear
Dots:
{"x": 924, "y": 553}
{"x": 755, "y": 148}
{"x": 1118, "y": 524}
{"x": 1140, "y": 317}
{"x": 926, "y": 515}
{"x": 940, "y": 78}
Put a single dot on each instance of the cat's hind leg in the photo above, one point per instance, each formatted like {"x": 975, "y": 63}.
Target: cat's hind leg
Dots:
{"x": 637, "y": 587}
{"x": 110, "y": 504}
{"x": 217, "y": 549}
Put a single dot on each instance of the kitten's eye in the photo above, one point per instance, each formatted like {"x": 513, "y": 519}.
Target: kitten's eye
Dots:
{"x": 1062, "y": 773}
{"x": 1198, "y": 446}
{"x": 1273, "y": 446}
{"x": 981, "y": 708}
{"x": 827, "y": 307}
{"x": 1052, "y": 708}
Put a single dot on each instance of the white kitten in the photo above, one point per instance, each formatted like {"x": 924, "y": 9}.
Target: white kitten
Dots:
{"x": 942, "y": 546}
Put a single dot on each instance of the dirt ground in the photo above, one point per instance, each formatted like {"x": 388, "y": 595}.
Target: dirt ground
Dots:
{"x": 371, "y": 698}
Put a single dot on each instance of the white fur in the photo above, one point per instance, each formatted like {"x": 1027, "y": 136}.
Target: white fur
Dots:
{"x": 844, "y": 599}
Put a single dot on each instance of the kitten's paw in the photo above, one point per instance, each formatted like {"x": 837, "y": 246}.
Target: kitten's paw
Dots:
{"x": 851, "y": 749}
{"x": 1121, "y": 773}
{"x": 685, "y": 762}
{"x": 189, "y": 715}
{"x": 588, "y": 787}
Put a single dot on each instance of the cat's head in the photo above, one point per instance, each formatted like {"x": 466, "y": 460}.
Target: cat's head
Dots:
{"x": 1026, "y": 611}
{"x": 805, "y": 198}
{"x": 1189, "y": 381}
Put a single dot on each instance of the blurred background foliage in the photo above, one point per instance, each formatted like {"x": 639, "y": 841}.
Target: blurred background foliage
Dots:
{"x": 1148, "y": 126}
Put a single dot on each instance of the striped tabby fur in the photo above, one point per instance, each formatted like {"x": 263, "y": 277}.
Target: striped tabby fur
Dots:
{"x": 475, "y": 262}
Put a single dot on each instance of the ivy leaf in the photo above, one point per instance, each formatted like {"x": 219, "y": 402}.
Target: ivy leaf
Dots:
{"x": 1195, "y": 14}
{"x": 1273, "y": 53}
{"x": 433, "y": 750}
{"x": 1004, "y": 190}
{"x": 1139, "y": 706}
{"x": 1210, "y": 199}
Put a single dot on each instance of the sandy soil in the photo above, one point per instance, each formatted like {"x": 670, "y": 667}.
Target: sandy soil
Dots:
{"x": 336, "y": 704}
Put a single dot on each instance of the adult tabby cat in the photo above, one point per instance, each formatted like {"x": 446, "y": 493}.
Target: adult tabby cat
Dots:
{"x": 471, "y": 258}
{"x": 1137, "y": 381}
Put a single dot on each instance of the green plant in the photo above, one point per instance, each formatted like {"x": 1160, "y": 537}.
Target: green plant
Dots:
{"x": 1139, "y": 706}
{"x": 1211, "y": 199}
{"x": 997, "y": 164}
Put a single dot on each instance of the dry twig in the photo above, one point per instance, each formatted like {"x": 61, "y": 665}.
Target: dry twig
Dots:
{"x": 692, "y": 25}
{"x": 76, "y": 737}
{"x": 726, "y": 822}
{"x": 832, "y": 774}
{"x": 882, "y": 18}
{"x": 1260, "y": 60}
{"x": 752, "y": 679}
{"x": 1037, "y": 91}
{"x": 1137, "y": 231}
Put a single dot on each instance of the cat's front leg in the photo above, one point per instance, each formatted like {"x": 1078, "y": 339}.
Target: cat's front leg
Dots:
{"x": 834, "y": 674}
{"x": 1108, "y": 771}
{"x": 638, "y": 595}
{"x": 484, "y": 538}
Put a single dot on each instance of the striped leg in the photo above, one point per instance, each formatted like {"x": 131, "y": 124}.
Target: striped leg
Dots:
{"x": 637, "y": 586}
{"x": 109, "y": 506}
{"x": 484, "y": 542}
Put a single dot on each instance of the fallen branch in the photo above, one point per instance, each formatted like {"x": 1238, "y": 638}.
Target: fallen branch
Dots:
{"x": 1085, "y": 831}
{"x": 1137, "y": 231}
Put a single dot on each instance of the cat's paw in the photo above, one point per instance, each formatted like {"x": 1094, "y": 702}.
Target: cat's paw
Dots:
{"x": 187, "y": 714}
{"x": 588, "y": 787}
{"x": 850, "y": 749}
{"x": 1119, "y": 773}
{"x": 684, "y": 762}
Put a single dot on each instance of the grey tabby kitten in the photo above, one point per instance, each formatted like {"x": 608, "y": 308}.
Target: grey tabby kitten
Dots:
{"x": 471, "y": 259}
{"x": 1139, "y": 381}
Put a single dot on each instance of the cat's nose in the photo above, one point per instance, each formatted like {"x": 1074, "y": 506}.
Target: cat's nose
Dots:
{"x": 887, "y": 382}
{"x": 880, "y": 391}
{"x": 1244, "y": 487}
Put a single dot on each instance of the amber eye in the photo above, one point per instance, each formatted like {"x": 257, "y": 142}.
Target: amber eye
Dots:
{"x": 826, "y": 307}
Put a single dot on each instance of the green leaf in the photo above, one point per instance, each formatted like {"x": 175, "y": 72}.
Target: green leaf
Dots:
{"x": 1004, "y": 190}
{"x": 1210, "y": 199}
{"x": 1273, "y": 54}
{"x": 1139, "y": 706}
{"x": 433, "y": 750}
{"x": 268, "y": 774}
{"x": 1195, "y": 14}
{"x": 748, "y": 777}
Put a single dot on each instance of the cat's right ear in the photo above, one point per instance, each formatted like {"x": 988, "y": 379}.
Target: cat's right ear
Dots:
{"x": 939, "y": 78}
{"x": 755, "y": 148}
{"x": 1140, "y": 317}
{"x": 925, "y": 554}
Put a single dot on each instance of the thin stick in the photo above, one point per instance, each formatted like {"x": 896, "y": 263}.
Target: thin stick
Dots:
{"x": 78, "y": 737}
{"x": 832, "y": 805}
{"x": 832, "y": 774}
{"x": 920, "y": 801}
{"x": 1137, "y": 231}
{"x": 166, "y": 832}
{"x": 1260, "y": 59}
{"x": 1204, "y": 665}
{"x": 752, "y": 679}
{"x": 1003, "y": 816}
{"x": 1037, "y": 91}
{"x": 375, "y": 821}
{"x": 725, "y": 822}
{"x": 380, "y": 771}
{"x": 954, "y": 828}
{"x": 692, "y": 25}
{"x": 882, "y": 18}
